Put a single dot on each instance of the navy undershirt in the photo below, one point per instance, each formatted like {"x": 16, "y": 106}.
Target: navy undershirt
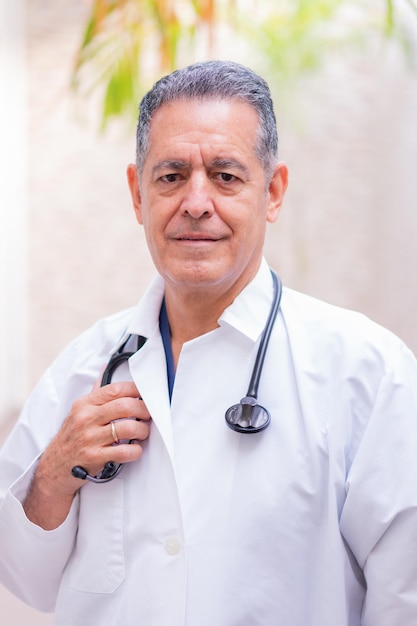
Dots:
{"x": 166, "y": 339}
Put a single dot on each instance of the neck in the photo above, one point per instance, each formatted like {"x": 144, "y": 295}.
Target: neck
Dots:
{"x": 194, "y": 311}
{"x": 192, "y": 315}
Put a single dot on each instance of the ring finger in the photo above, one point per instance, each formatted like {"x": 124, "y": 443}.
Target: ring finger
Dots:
{"x": 125, "y": 430}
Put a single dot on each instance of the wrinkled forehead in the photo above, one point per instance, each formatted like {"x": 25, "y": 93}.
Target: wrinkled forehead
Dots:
{"x": 210, "y": 123}
{"x": 217, "y": 120}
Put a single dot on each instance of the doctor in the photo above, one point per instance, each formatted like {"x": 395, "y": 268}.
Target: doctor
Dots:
{"x": 311, "y": 522}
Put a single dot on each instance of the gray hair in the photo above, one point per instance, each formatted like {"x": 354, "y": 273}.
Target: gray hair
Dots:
{"x": 223, "y": 80}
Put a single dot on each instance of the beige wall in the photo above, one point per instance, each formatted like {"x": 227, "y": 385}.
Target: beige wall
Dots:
{"x": 13, "y": 209}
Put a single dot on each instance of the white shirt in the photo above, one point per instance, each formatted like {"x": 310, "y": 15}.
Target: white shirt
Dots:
{"x": 216, "y": 528}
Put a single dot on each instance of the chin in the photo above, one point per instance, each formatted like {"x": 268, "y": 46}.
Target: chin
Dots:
{"x": 197, "y": 275}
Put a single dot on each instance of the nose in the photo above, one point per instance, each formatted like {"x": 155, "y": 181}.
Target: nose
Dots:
{"x": 197, "y": 201}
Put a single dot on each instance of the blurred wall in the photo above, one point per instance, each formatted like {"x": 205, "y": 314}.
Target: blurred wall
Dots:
{"x": 348, "y": 232}
{"x": 13, "y": 209}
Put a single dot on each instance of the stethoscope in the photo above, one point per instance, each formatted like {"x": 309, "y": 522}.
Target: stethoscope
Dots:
{"x": 247, "y": 417}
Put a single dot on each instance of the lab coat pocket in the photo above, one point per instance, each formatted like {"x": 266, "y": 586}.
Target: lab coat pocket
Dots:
{"x": 97, "y": 563}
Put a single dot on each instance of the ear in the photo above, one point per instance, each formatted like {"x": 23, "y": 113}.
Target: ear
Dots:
{"x": 133, "y": 181}
{"x": 276, "y": 191}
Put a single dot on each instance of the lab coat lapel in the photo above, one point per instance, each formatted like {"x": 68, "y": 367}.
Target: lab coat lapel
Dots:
{"x": 148, "y": 371}
{"x": 148, "y": 365}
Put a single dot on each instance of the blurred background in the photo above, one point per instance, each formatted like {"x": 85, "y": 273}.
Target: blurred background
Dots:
{"x": 344, "y": 78}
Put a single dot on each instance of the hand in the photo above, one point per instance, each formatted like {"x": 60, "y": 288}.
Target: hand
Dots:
{"x": 86, "y": 439}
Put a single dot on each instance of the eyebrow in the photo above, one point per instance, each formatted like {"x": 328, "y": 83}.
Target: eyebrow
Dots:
{"x": 169, "y": 164}
{"x": 228, "y": 163}
{"x": 177, "y": 165}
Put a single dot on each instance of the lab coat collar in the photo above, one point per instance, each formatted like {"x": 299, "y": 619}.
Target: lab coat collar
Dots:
{"x": 145, "y": 316}
{"x": 246, "y": 314}
{"x": 249, "y": 311}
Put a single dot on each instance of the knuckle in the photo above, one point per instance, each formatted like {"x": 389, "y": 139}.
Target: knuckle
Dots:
{"x": 134, "y": 429}
{"x": 77, "y": 405}
{"x": 80, "y": 412}
{"x": 129, "y": 430}
{"x": 120, "y": 408}
{"x": 125, "y": 408}
{"x": 113, "y": 390}
{"x": 129, "y": 452}
{"x": 123, "y": 454}
{"x": 144, "y": 430}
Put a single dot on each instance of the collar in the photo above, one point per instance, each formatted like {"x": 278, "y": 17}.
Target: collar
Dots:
{"x": 247, "y": 313}
{"x": 144, "y": 319}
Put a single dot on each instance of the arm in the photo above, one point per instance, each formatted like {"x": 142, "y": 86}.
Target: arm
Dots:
{"x": 32, "y": 559}
{"x": 379, "y": 518}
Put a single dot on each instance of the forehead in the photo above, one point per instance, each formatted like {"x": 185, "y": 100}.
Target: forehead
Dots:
{"x": 214, "y": 126}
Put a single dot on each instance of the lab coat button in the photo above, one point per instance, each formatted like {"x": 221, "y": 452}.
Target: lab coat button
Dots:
{"x": 173, "y": 545}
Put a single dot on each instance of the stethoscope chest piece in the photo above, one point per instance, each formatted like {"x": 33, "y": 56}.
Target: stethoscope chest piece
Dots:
{"x": 248, "y": 416}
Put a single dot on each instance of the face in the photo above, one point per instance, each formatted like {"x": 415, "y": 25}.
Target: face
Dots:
{"x": 203, "y": 196}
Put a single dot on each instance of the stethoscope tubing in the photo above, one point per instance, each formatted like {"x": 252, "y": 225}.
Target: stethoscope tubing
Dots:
{"x": 260, "y": 357}
{"x": 119, "y": 357}
{"x": 248, "y": 417}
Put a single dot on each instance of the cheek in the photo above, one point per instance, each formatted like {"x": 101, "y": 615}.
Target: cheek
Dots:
{"x": 255, "y": 229}
{"x": 251, "y": 222}
{"x": 154, "y": 227}
{"x": 148, "y": 217}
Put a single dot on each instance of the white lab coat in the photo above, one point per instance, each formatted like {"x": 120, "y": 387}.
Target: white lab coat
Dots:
{"x": 215, "y": 528}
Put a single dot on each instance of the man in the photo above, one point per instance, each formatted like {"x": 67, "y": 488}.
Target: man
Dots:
{"x": 309, "y": 522}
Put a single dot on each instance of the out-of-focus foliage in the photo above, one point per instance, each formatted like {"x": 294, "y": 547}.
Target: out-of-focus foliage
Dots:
{"x": 128, "y": 44}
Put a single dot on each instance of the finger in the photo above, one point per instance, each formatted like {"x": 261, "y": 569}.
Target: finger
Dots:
{"x": 121, "y": 408}
{"x": 105, "y": 394}
{"x": 126, "y": 453}
{"x": 125, "y": 430}
{"x": 123, "y": 453}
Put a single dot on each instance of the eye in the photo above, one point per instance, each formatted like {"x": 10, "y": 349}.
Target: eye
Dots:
{"x": 225, "y": 177}
{"x": 169, "y": 178}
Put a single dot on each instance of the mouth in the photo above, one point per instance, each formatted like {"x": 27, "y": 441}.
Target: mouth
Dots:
{"x": 197, "y": 238}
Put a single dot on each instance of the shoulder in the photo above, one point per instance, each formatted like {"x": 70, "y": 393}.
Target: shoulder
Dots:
{"x": 346, "y": 365}
{"x": 328, "y": 331}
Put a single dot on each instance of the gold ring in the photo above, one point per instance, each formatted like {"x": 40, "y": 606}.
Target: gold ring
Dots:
{"x": 114, "y": 433}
